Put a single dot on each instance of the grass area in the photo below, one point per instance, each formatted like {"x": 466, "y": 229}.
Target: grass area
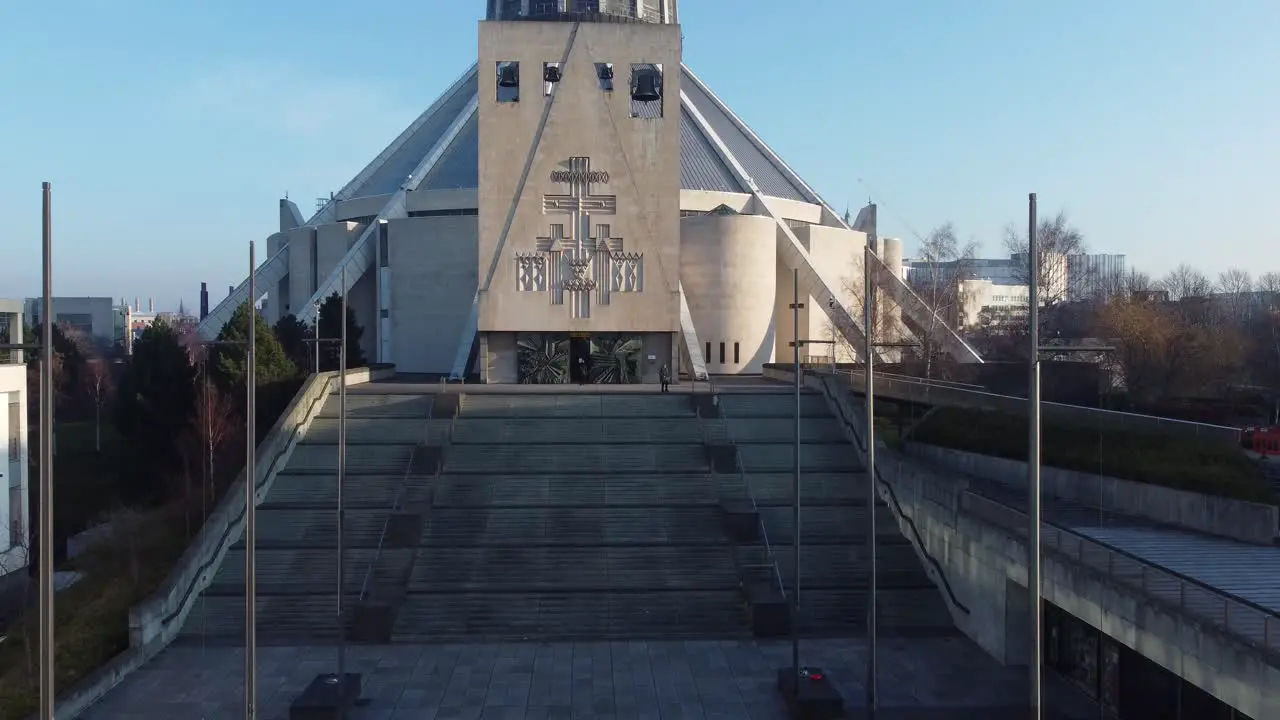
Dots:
{"x": 86, "y": 480}
{"x": 1175, "y": 462}
{"x": 92, "y": 616}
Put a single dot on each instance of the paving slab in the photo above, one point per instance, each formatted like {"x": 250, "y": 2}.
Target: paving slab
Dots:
{"x": 588, "y": 680}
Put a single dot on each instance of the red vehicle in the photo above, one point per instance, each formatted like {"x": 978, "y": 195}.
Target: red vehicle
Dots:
{"x": 1260, "y": 442}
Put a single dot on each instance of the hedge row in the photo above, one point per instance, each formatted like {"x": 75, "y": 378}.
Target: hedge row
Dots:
{"x": 1175, "y": 462}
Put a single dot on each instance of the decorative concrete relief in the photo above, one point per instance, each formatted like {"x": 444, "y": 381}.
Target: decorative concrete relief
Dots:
{"x": 575, "y": 259}
{"x": 531, "y": 272}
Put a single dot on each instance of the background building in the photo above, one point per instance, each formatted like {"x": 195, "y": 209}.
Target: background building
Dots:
{"x": 94, "y": 317}
{"x": 14, "y": 503}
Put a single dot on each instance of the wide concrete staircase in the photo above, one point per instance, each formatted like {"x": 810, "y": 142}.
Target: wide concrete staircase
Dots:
{"x": 834, "y": 567}
{"x": 573, "y": 516}
{"x": 392, "y": 443}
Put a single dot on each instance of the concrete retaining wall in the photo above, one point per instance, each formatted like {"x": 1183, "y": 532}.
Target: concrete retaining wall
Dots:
{"x": 986, "y": 564}
{"x": 985, "y": 567}
{"x": 1237, "y": 519}
{"x": 155, "y": 622}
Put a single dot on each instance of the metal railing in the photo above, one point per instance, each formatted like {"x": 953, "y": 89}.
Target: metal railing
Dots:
{"x": 963, "y": 395}
{"x": 771, "y": 561}
{"x": 396, "y": 503}
{"x": 1242, "y": 618}
{"x": 932, "y": 567}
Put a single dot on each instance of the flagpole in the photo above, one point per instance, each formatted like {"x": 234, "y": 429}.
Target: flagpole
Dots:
{"x": 868, "y": 311}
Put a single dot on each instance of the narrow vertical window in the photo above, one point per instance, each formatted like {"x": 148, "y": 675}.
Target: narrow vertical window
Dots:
{"x": 735, "y": 354}
{"x": 721, "y": 353}
{"x": 707, "y": 355}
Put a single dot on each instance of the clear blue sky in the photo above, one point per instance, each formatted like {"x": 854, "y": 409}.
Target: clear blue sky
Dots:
{"x": 169, "y": 129}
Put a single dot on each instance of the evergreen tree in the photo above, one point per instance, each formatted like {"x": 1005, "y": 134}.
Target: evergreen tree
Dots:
{"x": 228, "y": 361}
{"x": 330, "y": 310}
{"x": 156, "y": 400}
{"x": 293, "y": 335}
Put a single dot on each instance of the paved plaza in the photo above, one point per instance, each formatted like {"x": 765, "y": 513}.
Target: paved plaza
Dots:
{"x": 587, "y": 681}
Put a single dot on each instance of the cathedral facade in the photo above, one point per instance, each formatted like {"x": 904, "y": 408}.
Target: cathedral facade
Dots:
{"x": 580, "y": 207}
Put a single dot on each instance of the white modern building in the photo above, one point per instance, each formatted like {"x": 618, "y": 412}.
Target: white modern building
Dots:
{"x": 579, "y": 198}
{"x": 13, "y": 442}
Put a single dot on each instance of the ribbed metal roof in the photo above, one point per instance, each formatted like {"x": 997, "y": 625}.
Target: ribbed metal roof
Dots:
{"x": 701, "y": 167}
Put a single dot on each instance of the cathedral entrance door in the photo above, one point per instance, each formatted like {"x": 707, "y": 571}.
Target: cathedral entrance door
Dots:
{"x": 579, "y": 358}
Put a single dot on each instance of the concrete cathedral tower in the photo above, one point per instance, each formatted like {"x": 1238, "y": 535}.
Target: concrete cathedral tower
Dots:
{"x": 579, "y": 186}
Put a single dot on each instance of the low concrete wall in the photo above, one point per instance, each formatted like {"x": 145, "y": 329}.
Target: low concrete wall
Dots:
{"x": 155, "y": 622}
{"x": 1236, "y": 519}
{"x": 921, "y": 392}
{"x": 986, "y": 564}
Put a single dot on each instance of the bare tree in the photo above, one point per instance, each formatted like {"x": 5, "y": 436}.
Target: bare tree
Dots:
{"x": 1185, "y": 281}
{"x": 945, "y": 263}
{"x": 1056, "y": 240}
{"x": 98, "y": 385}
{"x": 1235, "y": 289}
{"x": 211, "y": 435}
{"x": 1268, "y": 285}
{"x": 1124, "y": 286}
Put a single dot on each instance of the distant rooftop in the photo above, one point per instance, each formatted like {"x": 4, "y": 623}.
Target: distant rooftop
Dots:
{"x": 654, "y": 11}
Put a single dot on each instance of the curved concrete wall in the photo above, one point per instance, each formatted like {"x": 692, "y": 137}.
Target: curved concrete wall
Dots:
{"x": 729, "y": 273}
{"x": 891, "y": 324}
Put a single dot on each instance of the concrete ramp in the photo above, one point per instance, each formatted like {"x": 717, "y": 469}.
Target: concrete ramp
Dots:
{"x": 920, "y": 313}
{"x": 268, "y": 275}
{"x": 361, "y": 256}
{"x": 698, "y": 363}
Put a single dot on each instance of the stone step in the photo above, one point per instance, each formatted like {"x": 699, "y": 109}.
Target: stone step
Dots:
{"x": 831, "y": 567}
{"x": 574, "y": 569}
{"x": 574, "y": 526}
{"x": 911, "y": 613}
{"x": 311, "y": 527}
{"x": 577, "y": 405}
{"x": 372, "y": 459}
{"x": 490, "y": 617}
{"x": 321, "y": 491}
{"x": 816, "y": 488}
{"x": 772, "y": 405}
{"x": 575, "y": 490}
{"x": 829, "y": 524}
{"x": 814, "y": 457}
{"x": 590, "y": 459}
{"x": 281, "y": 620}
{"x": 368, "y": 431}
{"x": 526, "y": 431}
{"x": 781, "y": 430}
{"x": 307, "y": 570}
{"x": 379, "y": 406}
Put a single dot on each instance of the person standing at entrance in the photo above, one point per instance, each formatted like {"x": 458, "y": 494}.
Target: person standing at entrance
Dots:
{"x": 582, "y": 371}
{"x": 664, "y": 377}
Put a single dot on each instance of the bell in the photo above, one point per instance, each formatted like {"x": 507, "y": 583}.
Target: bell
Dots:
{"x": 648, "y": 86}
{"x": 605, "y": 71}
{"x": 508, "y": 76}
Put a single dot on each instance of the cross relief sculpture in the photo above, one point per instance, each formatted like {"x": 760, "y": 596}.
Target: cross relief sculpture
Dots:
{"x": 576, "y": 258}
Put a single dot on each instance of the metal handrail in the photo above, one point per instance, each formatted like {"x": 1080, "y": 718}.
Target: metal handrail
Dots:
{"x": 1184, "y": 593}
{"x": 386, "y": 524}
{"x": 935, "y": 568}
{"x": 771, "y": 559}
